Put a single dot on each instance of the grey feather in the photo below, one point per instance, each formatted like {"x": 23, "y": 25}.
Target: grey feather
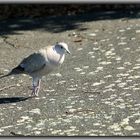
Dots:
{"x": 33, "y": 63}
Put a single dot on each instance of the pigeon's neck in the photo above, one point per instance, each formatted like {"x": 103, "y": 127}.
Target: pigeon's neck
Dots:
{"x": 55, "y": 57}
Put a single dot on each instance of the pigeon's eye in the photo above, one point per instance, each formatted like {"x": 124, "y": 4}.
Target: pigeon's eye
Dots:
{"x": 61, "y": 47}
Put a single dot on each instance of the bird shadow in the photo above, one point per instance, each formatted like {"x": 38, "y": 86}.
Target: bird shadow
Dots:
{"x": 13, "y": 99}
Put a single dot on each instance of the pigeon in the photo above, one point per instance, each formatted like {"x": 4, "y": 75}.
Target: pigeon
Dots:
{"x": 41, "y": 63}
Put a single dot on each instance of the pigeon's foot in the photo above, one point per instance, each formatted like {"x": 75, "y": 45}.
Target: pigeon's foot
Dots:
{"x": 35, "y": 91}
{"x": 34, "y": 95}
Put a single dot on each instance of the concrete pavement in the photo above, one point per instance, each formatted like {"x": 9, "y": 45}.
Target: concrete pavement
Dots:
{"x": 96, "y": 92}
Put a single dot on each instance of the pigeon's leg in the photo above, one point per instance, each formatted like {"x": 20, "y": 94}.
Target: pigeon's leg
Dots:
{"x": 33, "y": 91}
{"x": 36, "y": 87}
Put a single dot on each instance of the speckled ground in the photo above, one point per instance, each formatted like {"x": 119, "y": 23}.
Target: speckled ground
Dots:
{"x": 96, "y": 92}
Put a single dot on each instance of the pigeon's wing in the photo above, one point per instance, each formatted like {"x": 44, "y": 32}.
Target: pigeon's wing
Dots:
{"x": 33, "y": 63}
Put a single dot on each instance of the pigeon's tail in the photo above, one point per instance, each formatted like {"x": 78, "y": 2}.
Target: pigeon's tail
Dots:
{"x": 15, "y": 71}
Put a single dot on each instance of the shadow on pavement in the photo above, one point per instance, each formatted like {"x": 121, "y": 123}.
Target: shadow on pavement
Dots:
{"x": 57, "y": 24}
{"x": 13, "y": 99}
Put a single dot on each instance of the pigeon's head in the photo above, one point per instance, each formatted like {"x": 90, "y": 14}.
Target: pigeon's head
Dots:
{"x": 63, "y": 47}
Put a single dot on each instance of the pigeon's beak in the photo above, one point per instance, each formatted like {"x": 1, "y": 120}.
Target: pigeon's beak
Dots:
{"x": 68, "y": 51}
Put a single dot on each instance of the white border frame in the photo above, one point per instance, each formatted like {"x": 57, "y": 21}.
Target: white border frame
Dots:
{"x": 69, "y": 2}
